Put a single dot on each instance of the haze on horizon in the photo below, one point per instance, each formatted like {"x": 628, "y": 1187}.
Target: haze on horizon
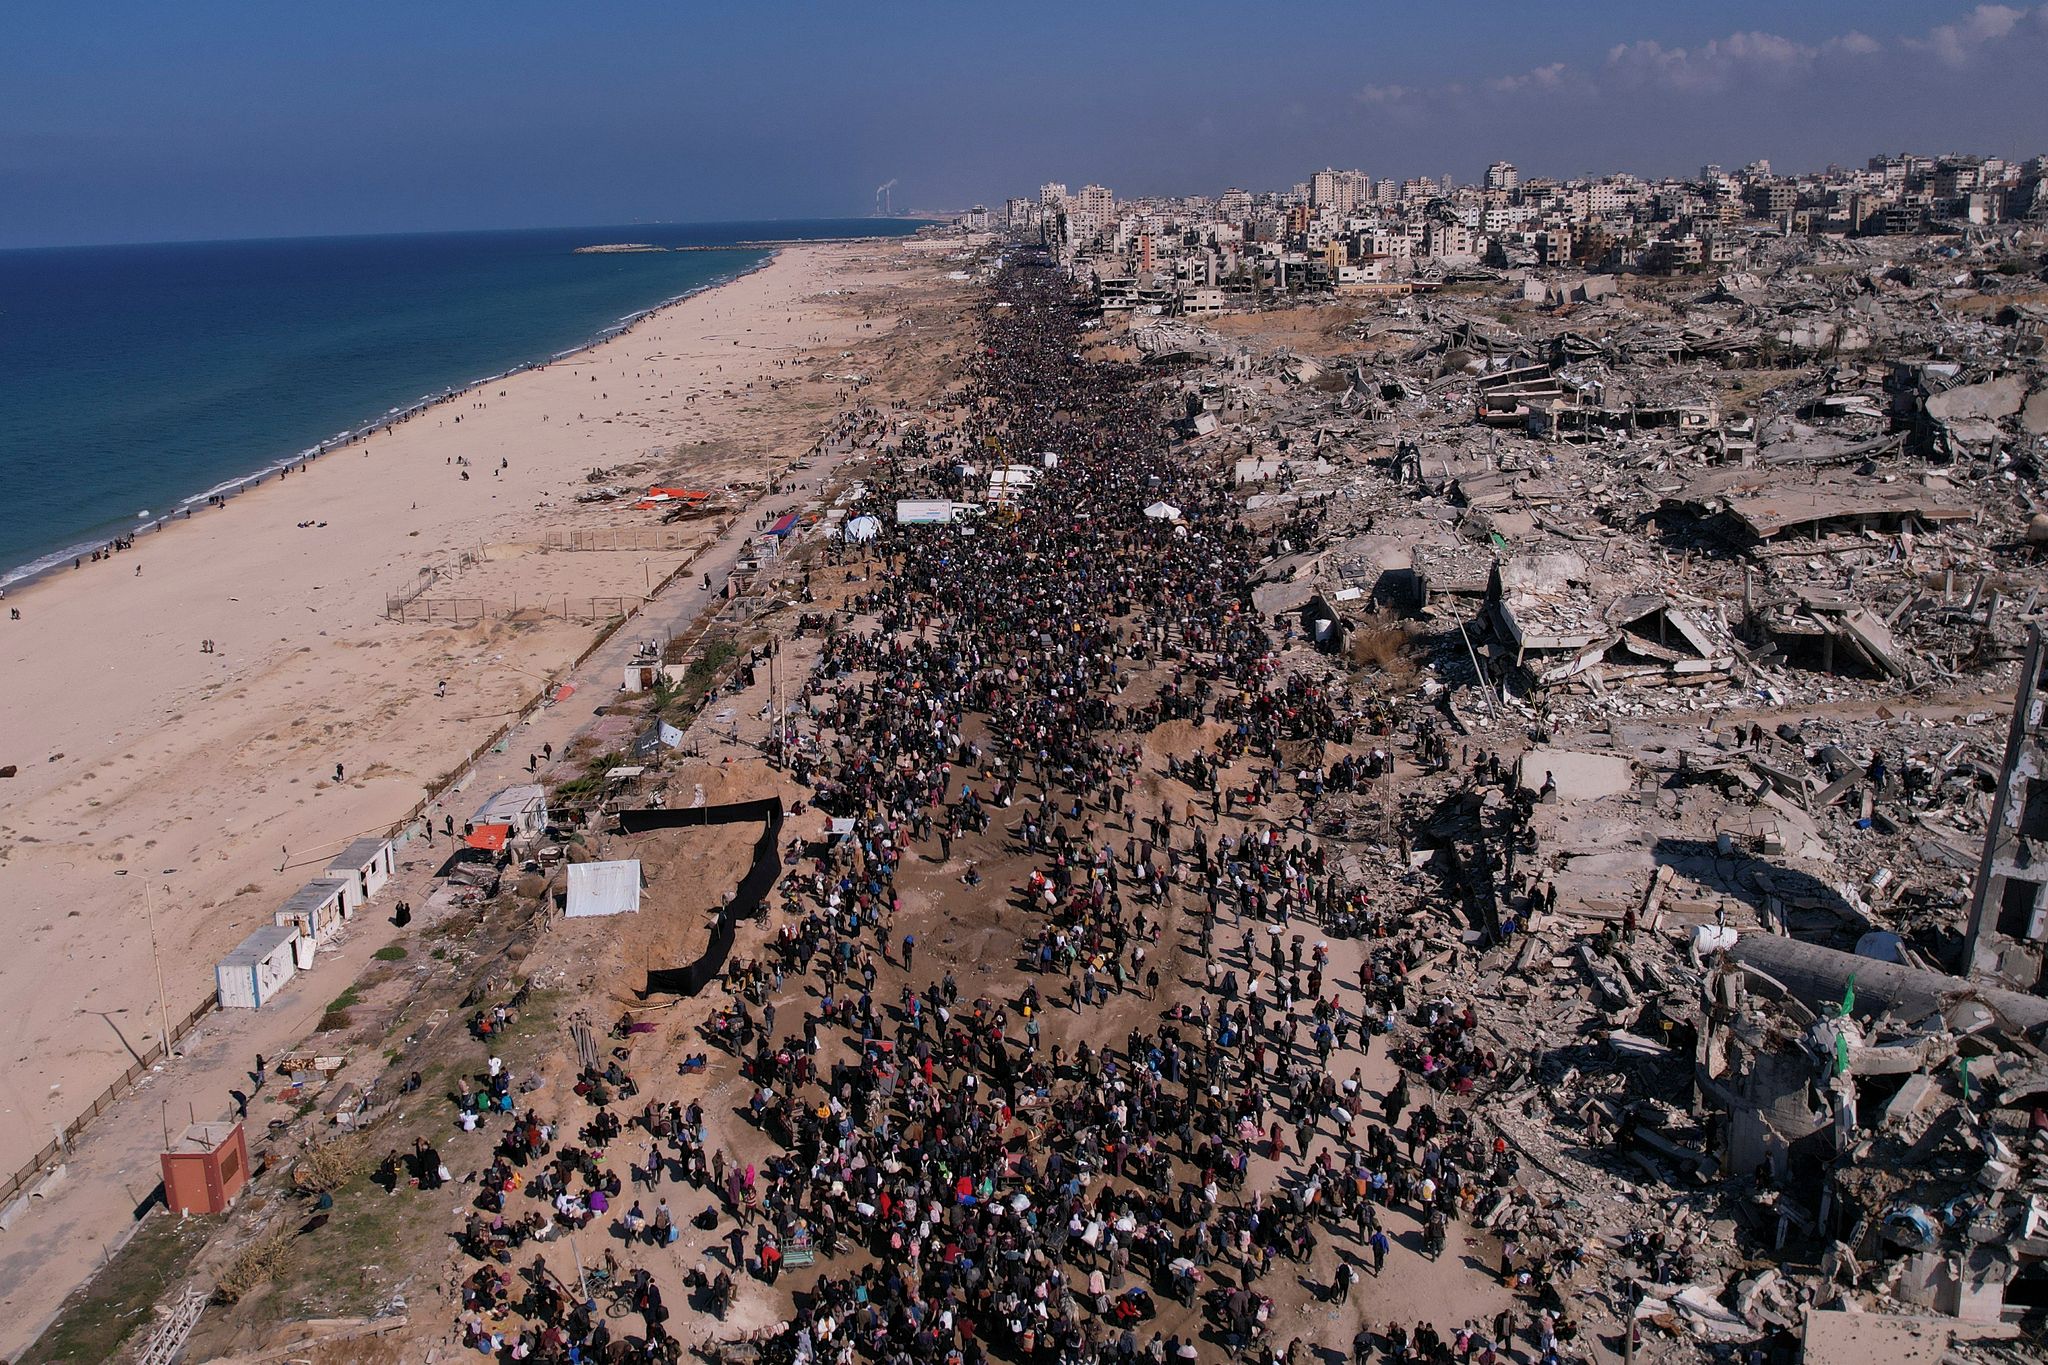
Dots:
{"x": 140, "y": 121}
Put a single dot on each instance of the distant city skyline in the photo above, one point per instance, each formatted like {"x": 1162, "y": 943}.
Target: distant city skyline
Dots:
{"x": 140, "y": 122}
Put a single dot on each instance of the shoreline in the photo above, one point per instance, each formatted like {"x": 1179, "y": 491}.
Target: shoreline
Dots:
{"x": 18, "y": 578}
{"x": 796, "y": 317}
{"x": 216, "y": 774}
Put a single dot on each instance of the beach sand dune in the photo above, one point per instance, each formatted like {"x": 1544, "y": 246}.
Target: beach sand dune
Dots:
{"x": 147, "y": 765}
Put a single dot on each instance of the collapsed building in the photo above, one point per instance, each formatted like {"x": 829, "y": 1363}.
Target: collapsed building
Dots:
{"x": 1745, "y": 579}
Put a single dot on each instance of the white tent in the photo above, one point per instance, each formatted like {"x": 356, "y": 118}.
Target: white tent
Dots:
{"x": 862, "y": 529}
{"x": 604, "y": 888}
{"x": 1163, "y": 511}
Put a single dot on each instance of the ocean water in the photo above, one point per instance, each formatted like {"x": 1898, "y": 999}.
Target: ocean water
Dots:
{"x": 134, "y": 379}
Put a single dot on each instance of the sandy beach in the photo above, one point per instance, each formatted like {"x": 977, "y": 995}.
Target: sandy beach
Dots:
{"x": 213, "y": 782}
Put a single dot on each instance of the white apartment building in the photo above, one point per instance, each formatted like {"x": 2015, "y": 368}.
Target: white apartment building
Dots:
{"x": 1506, "y": 218}
{"x": 1338, "y": 191}
{"x": 1394, "y": 243}
{"x": 1451, "y": 241}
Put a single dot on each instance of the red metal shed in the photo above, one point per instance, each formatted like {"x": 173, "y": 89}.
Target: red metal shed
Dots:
{"x": 206, "y": 1169}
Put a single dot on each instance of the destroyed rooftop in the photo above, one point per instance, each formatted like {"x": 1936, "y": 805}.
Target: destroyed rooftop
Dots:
{"x": 1754, "y": 564}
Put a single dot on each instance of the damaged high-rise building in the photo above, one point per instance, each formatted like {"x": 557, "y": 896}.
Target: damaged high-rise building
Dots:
{"x": 2009, "y": 910}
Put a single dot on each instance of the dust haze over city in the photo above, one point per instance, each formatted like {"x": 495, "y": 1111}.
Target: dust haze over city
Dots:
{"x": 1146, "y": 685}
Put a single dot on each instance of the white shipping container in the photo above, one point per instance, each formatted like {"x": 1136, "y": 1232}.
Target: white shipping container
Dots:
{"x": 257, "y": 969}
{"x": 367, "y": 864}
{"x": 927, "y": 511}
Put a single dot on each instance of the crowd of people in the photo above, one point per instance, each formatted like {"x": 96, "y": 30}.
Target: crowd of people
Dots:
{"x": 972, "y": 1178}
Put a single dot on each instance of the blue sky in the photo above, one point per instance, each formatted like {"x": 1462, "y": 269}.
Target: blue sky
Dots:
{"x": 172, "y": 119}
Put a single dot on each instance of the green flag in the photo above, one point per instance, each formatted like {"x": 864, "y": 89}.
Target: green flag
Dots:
{"x": 1963, "y": 1073}
{"x": 1849, "y": 996}
{"x": 1841, "y": 1053}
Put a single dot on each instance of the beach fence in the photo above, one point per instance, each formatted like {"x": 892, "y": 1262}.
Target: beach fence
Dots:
{"x": 396, "y": 603}
{"x": 403, "y": 827}
{"x": 596, "y": 609}
{"x": 53, "y": 1151}
{"x": 471, "y": 611}
{"x": 618, "y": 538}
{"x": 410, "y": 604}
{"x": 440, "y": 611}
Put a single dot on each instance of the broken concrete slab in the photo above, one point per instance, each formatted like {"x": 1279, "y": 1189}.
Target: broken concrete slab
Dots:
{"x": 1834, "y": 1336}
{"x": 1578, "y": 776}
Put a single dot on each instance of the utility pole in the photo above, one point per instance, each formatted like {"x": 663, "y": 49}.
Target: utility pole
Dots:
{"x": 163, "y": 1010}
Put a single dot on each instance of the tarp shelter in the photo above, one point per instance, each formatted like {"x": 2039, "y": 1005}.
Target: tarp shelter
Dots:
{"x": 863, "y": 529}
{"x": 257, "y": 968}
{"x": 669, "y": 497}
{"x": 524, "y": 808}
{"x": 611, "y": 888}
{"x": 748, "y": 899}
{"x": 318, "y": 909}
{"x": 366, "y": 865}
{"x": 489, "y": 838}
{"x": 1163, "y": 511}
{"x": 784, "y": 526}
{"x": 206, "y": 1169}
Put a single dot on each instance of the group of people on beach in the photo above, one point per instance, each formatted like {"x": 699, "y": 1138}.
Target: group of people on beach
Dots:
{"x": 1058, "y": 1162}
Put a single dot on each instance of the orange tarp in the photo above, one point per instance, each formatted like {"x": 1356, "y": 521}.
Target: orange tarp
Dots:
{"x": 490, "y": 838}
{"x": 661, "y": 497}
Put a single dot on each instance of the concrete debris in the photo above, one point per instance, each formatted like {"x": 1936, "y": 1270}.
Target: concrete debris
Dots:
{"x": 1691, "y": 623}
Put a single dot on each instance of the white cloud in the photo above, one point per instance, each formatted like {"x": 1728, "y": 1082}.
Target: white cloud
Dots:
{"x": 1551, "y": 77}
{"x": 1385, "y": 94}
{"x": 1712, "y": 66}
{"x": 1957, "y": 43}
{"x": 1742, "y": 60}
{"x": 1852, "y": 44}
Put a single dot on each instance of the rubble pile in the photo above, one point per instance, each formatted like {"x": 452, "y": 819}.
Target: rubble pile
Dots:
{"x": 1689, "y": 623}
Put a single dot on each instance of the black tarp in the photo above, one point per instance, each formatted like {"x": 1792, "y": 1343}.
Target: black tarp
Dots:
{"x": 748, "y": 899}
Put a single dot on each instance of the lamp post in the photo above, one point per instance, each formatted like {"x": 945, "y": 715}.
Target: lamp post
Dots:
{"x": 163, "y": 1010}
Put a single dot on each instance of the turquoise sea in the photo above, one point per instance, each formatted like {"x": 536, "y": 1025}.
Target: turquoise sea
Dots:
{"x": 136, "y": 379}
